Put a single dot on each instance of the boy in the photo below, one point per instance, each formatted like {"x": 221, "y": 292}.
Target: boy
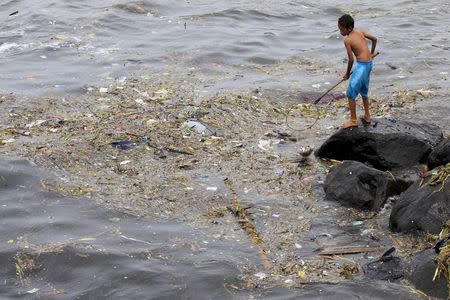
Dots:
{"x": 356, "y": 44}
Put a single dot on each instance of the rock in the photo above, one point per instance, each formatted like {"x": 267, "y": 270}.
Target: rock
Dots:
{"x": 389, "y": 268}
{"x": 423, "y": 208}
{"x": 403, "y": 179}
{"x": 440, "y": 155}
{"x": 356, "y": 185}
{"x": 420, "y": 272}
{"x": 383, "y": 144}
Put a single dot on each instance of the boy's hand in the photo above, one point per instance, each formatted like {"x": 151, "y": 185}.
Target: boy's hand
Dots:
{"x": 346, "y": 76}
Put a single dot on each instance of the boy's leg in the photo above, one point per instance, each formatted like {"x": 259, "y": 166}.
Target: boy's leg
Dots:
{"x": 365, "y": 93}
{"x": 366, "y": 104}
{"x": 353, "y": 122}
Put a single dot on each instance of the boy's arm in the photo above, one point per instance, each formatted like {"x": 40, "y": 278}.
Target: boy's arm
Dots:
{"x": 348, "y": 46}
{"x": 373, "y": 39}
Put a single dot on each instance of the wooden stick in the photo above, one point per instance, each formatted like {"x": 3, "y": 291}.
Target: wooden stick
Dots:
{"x": 348, "y": 250}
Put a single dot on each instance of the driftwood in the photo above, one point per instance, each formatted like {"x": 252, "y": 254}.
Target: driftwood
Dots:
{"x": 348, "y": 250}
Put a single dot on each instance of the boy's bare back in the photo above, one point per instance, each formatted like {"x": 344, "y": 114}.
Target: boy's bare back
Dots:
{"x": 356, "y": 43}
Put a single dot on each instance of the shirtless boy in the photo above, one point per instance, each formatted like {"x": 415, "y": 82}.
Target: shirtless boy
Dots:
{"x": 356, "y": 44}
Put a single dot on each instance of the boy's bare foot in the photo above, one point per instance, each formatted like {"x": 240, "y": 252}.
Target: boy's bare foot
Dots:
{"x": 365, "y": 119}
{"x": 350, "y": 123}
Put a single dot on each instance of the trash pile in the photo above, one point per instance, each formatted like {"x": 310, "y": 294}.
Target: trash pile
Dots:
{"x": 442, "y": 248}
{"x": 152, "y": 148}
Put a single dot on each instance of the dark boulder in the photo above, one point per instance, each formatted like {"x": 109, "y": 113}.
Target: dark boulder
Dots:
{"x": 389, "y": 268}
{"x": 383, "y": 144}
{"x": 356, "y": 185}
{"x": 423, "y": 208}
{"x": 420, "y": 272}
{"x": 440, "y": 155}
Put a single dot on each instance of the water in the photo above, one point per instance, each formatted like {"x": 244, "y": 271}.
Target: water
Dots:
{"x": 98, "y": 253}
{"x": 63, "y": 47}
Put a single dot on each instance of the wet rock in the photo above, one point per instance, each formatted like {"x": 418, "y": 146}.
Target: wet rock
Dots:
{"x": 389, "y": 268}
{"x": 356, "y": 185}
{"x": 402, "y": 180}
{"x": 440, "y": 155}
{"x": 384, "y": 144}
{"x": 423, "y": 208}
{"x": 420, "y": 272}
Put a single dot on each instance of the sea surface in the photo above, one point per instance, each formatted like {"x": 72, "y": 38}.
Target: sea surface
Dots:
{"x": 65, "y": 48}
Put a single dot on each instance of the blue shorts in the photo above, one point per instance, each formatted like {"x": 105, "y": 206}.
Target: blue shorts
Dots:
{"x": 359, "y": 80}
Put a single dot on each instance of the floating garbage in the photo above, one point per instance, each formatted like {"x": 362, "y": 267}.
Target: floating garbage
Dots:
{"x": 392, "y": 120}
{"x": 8, "y": 141}
{"x": 357, "y": 223}
{"x": 261, "y": 275}
{"x": 35, "y": 123}
{"x": 279, "y": 170}
{"x": 199, "y": 127}
{"x": 124, "y": 145}
{"x": 3, "y": 127}
{"x": 32, "y": 291}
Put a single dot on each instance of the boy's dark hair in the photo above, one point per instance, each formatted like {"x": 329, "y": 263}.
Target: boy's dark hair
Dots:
{"x": 346, "y": 21}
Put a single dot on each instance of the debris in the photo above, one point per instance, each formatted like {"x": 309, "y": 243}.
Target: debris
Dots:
{"x": 32, "y": 291}
{"x": 200, "y": 127}
{"x": 388, "y": 253}
{"x": 443, "y": 261}
{"x": 124, "y": 145}
{"x": 440, "y": 176}
{"x": 211, "y": 188}
{"x": 35, "y": 123}
{"x": 424, "y": 93}
{"x": 302, "y": 274}
{"x": 392, "y": 119}
{"x": 103, "y": 90}
{"x": 261, "y": 275}
{"x": 263, "y": 144}
{"x": 349, "y": 271}
{"x": 392, "y": 66}
{"x": 14, "y": 13}
{"x": 151, "y": 122}
{"x": 279, "y": 170}
{"x": 4, "y": 127}
{"x": 348, "y": 250}
{"x": 267, "y": 144}
{"x": 357, "y": 223}
{"x": 306, "y": 151}
{"x": 247, "y": 224}
{"x": 8, "y": 141}
{"x": 85, "y": 239}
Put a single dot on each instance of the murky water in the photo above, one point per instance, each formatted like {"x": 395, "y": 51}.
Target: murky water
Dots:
{"x": 56, "y": 247}
{"x": 63, "y": 47}
{"x": 76, "y": 249}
